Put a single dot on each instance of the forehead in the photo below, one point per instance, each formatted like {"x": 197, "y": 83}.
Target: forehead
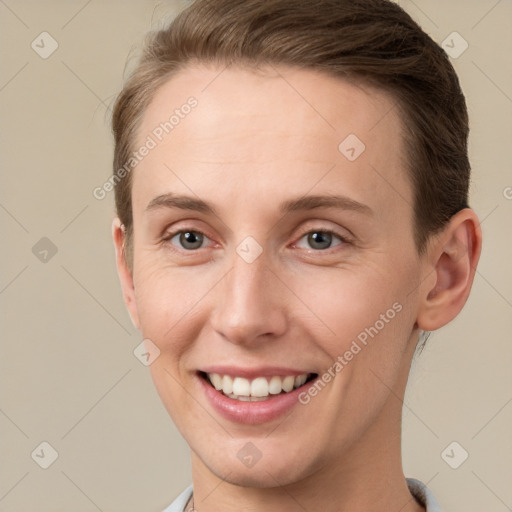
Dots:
{"x": 276, "y": 126}
{"x": 300, "y": 100}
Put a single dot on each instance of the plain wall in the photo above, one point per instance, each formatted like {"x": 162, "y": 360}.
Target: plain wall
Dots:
{"x": 68, "y": 373}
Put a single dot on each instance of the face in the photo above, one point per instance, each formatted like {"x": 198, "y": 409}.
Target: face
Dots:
{"x": 273, "y": 243}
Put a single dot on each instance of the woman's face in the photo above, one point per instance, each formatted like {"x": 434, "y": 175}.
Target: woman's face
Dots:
{"x": 273, "y": 242}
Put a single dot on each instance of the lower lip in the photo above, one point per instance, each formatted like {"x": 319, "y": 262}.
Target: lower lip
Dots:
{"x": 251, "y": 412}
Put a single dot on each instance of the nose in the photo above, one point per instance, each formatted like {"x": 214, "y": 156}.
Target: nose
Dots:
{"x": 249, "y": 307}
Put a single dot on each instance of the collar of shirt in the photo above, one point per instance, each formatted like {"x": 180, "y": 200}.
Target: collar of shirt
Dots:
{"x": 418, "y": 489}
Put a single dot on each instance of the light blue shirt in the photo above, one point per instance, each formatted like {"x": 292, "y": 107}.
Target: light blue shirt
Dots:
{"x": 418, "y": 489}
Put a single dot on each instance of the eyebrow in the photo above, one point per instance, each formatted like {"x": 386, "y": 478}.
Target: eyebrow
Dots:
{"x": 325, "y": 201}
{"x": 183, "y": 202}
{"x": 303, "y": 203}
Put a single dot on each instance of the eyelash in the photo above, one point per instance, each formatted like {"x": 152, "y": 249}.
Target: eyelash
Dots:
{"x": 344, "y": 240}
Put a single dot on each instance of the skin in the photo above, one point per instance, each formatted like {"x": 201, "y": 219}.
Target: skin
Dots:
{"x": 255, "y": 140}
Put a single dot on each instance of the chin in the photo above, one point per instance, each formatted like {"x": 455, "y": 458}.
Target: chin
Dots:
{"x": 265, "y": 477}
{"x": 268, "y": 472}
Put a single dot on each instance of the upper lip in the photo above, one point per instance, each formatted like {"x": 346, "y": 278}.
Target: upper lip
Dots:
{"x": 250, "y": 373}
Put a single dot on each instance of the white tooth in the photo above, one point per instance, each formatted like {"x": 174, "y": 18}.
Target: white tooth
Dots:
{"x": 274, "y": 386}
{"x": 288, "y": 383}
{"x": 227, "y": 384}
{"x": 299, "y": 381}
{"x": 248, "y": 398}
{"x": 259, "y": 387}
{"x": 241, "y": 386}
{"x": 216, "y": 380}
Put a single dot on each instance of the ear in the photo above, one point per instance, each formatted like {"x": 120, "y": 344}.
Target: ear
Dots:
{"x": 451, "y": 263}
{"x": 125, "y": 275}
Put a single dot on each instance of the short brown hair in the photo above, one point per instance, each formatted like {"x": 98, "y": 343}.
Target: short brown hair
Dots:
{"x": 371, "y": 41}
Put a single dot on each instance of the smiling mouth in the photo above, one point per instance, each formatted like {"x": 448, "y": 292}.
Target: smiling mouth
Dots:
{"x": 257, "y": 389}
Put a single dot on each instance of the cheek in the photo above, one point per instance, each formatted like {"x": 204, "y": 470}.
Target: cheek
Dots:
{"x": 348, "y": 302}
{"x": 369, "y": 318}
{"x": 171, "y": 308}
{"x": 168, "y": 297}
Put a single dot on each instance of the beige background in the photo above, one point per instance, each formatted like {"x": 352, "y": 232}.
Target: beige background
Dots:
{"x": 68, "y": 373}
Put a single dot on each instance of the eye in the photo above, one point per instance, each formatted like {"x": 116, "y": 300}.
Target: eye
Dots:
{"x": 188, "y": 239}
{"x": 320, "y": 240}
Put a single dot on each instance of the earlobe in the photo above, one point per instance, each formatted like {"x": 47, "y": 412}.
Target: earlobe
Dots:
{"x": 124, "y": 272}
{"x": 452, "y": 257}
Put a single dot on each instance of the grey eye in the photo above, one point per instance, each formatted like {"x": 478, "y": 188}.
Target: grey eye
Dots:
{"x": 319, "y": 240}
{"x": 189, "y": 240}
